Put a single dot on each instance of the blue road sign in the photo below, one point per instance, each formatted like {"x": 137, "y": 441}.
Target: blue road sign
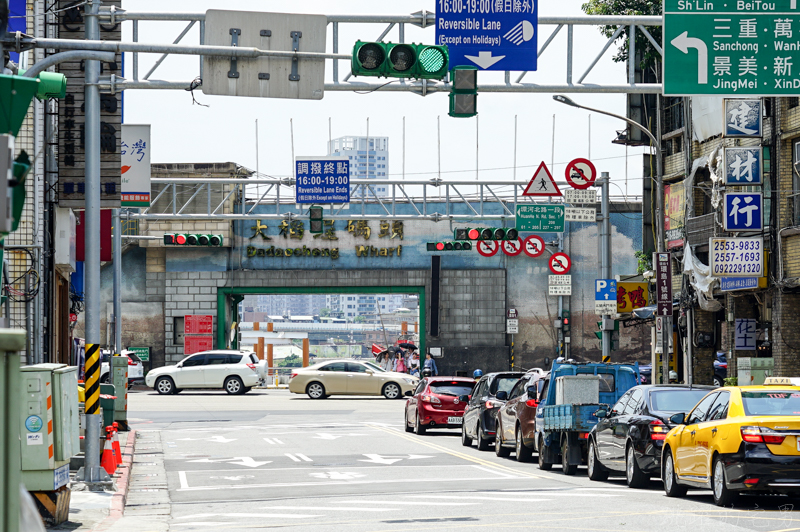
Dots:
{"x": 322, "y": 179}
{"x": 742, "y": 118}
{"x": 489, "y": 34}
{"x": 605, "y": 290}
{"x": 737, "y": 283}
{"x": 743, "y": 211}
{"x": 743, "y": 166}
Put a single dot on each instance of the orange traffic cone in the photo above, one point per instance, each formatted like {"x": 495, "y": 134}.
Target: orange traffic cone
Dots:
{"x": 115, "y": 444}
{"x": 108, "y": 462}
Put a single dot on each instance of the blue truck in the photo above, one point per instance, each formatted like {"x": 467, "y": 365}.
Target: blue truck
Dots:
{"x": 562, "y": 429}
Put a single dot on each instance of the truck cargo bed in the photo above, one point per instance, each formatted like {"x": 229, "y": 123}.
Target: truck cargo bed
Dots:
{"x": 570, "y": 417}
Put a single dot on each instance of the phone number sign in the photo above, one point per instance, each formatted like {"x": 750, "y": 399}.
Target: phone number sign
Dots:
{"x": 322, "y": 179}
{"x": 737, "y": 257}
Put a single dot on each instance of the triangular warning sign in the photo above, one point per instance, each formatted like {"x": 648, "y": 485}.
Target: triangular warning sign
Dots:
{"x": 542, "y": 184}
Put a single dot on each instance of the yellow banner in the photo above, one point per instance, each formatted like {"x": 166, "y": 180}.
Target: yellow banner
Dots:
{"x": 631, "y": 296}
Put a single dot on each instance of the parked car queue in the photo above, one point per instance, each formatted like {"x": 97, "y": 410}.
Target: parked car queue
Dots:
{"x": 730, "y": 440}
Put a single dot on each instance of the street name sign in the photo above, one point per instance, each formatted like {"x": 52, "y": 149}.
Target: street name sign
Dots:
{"x": 489, "y": 34}
{"x": 573, "y": 196}
{"x": 727, "y": 284}
{"x": 743, "y": 211}
{"x": 731, "y": 48}
{"x": 580, "y": 214}
{"x": 662, "y": 262}
{"x": 736, "y": 257}
{"x": 324, "y": 179}
{"x": 542, "y": 218}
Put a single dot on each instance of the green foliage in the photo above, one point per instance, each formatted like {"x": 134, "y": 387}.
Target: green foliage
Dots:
{"x": 292, "y": 361}
{"x": 644, "y": 262}
{"x": 324, "y": 312}
{"x": 359, "y": 319}
{"x": 731, "y": 381}
{"x": 630, "y": 7}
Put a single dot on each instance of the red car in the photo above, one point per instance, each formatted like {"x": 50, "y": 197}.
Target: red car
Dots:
{"x": 436, "y": 404}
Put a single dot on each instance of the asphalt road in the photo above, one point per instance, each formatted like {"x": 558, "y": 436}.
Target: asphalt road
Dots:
{"x": 271, "y": 459}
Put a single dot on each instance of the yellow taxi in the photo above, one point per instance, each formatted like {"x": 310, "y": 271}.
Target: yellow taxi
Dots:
{"x": 736, "y": 439}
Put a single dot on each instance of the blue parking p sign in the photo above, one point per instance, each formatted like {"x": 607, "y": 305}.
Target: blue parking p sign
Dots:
{"x": 489, "y": 34}
{"x": 743, "y": 211}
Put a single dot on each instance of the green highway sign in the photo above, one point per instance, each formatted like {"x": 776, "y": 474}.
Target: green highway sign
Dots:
{"x": 142, "y": 352}
{"x": 540, "y": 218}
{"x": 731, "y": 48}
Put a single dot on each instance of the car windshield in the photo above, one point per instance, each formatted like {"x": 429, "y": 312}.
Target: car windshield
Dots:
{"x": 675, "y": 400}
{"x": 374, "y": 367}
{"x": 772, "y": 403}
{"x": 454, "y": 388}
{"x": 503, "y": 383}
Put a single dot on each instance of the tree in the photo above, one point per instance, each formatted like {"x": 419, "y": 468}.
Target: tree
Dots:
{"x": 292, "y": 361}
{"x": 359, "y": 319}
{"x": 324, "y": 312}
{"x": 650, "y": 58}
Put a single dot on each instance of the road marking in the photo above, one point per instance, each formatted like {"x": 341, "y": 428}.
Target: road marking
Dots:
{"x": 303, "y": 457}
{"x": 292, "y": 457}
{"x": 273, "y": 441}
{"x": 416, "y": 503}
{"x": 461, "y": 455}
{"x": 329, "y": 436}
{"x": 197, "y": 516}
{"x": 241, "y": 460}
{"x": 182, "y": 477}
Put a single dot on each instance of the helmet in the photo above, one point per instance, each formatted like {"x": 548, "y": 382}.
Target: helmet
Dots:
{"x": 427, "y": 372}
{"x": 477, "y": 374}
{"x": 673, "y": 375}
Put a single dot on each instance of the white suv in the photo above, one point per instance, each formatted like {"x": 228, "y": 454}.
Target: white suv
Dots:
{"x": 233, "y": 371}
{"x": 135, "y": 367}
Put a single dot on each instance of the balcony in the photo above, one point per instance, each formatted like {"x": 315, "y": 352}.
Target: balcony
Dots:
{"x": 699, "y": 229}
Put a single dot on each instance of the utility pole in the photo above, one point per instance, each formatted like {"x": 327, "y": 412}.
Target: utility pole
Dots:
{"x": 605, "y": 256}
{"x": 117, "y": 282}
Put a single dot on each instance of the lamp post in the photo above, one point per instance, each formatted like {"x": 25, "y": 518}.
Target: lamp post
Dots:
{"x": 659, "y": 218}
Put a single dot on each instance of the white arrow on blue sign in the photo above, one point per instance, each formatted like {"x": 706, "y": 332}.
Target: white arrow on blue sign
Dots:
{"x": 743, "y": 211}
{"x": 605, "y": 290}
{"x": 489, "y": 34}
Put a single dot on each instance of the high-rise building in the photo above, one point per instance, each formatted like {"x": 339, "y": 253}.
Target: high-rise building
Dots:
{"x": 364, "y": 163}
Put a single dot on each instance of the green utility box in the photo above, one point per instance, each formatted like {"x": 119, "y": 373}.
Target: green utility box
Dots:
{"x": 107, "y": 406}
{"x": 11, "y": 342}
{"x": 119, "y": 369}
{"x": 48, "y": 425}
{"x": 753, "y": 371}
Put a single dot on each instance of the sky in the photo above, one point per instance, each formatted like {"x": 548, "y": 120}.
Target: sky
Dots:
{"x": 225, "y": 130}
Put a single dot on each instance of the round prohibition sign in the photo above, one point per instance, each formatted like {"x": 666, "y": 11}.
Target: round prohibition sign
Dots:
{"x": 533, "y": 246}
{"x": 560, "y": 263}
{"x": 512, "y": 248}
{"x": 488, "y": 248}
{"x": 581, "y": 173}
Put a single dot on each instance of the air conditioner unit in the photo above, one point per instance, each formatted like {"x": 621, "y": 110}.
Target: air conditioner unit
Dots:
{"x": 65, "y": 240}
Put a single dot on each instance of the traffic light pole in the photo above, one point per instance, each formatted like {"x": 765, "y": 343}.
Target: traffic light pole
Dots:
{"x": 117, "y": 282}
{"x": 605, "y": 256}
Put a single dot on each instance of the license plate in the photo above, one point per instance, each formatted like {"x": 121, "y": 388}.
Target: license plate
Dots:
{"x": 457, "y": 421}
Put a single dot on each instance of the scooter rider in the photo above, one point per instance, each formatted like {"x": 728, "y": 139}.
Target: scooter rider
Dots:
{"x": 477, "y": 374}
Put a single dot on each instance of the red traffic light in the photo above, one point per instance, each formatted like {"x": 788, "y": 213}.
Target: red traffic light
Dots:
{"x": 566, "y": 321}
{"x": 180, "y": 239}
{"x": 473, "y": 234}
{"x": 439, "y": 246}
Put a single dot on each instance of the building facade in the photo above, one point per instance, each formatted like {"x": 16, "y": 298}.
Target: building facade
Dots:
{"x": 369, "y": 159}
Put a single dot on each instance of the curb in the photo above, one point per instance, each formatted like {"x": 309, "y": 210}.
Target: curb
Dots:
{"x": 119, "y": 498}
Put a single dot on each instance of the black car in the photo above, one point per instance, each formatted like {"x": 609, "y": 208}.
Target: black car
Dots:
{"x": 720, "y": 368}
{"x": 628, "y": 438}
{"x": 489, "y": 394}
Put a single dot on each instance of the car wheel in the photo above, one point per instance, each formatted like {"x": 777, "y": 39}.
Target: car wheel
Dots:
{"x": 718, "y": 381}
{"x": 177, "y": 391}
{"x": 722, "y": 495}
{"x": 499, "y": 450}
{"x": 391, "y": 390}
{"x": 569, "y": 469}
{"x": 671, "y": 486}
{"x": 543, "y": 465}
{"x": 234, "y": 386}
{"x": 483, "y": 441}
{"x": 466, "y": 441}
{"x": 165, "y": 386}
{"x": 595, "y": 468}
{"x": 104, "y": 378}
{"x": 315, "y": 390}
{"x": 419, "y": 428}
{"x": 246, "y": 390}
{"x": 635, "y": 477}
{"x": 409, "y": 428}
{"x": 523, "y": 453}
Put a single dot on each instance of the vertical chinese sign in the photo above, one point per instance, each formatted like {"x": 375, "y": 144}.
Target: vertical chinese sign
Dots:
{"x": 198, "y": 333}
{"x": 135, "y": 154}
{"x": 674, "y": 214}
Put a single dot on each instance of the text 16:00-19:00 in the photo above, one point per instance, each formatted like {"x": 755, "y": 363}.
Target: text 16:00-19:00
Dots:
{"x": 322, "y": 180}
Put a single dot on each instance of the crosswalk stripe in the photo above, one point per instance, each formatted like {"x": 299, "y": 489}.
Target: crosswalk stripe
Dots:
{"x": 303, "y": 457}
{"x": 293, "y": 457}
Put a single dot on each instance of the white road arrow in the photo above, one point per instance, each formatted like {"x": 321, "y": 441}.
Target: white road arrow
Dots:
{"x": 484, "y": 59}
{"x": 328, "y": 436}
{"x": 215, "y": 439}
{"x": 378, "y": 459}
{"x": 683, "y": 42}
{"x": 242, "y": 460}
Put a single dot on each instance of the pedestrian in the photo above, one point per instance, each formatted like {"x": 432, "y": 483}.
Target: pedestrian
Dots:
{"x": 415, "y": 365}
{"x": 430, "y": 364}
{"x": 388, "y": 360}
{"x": 400, "y": 367}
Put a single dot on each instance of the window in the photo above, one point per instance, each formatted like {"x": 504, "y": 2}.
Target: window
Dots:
{"x": 503, "y": 383}
{"x": 336, "y": 366}
{"x": 480, "y": 390}
{"x": 699, "y": 412}
{"x": 633, "y": 403}
{"x": 719, "y": 410}
{"x": 353, "y": 367}
{"x": 620, "y": 406}
{"x": 421, "y": 387}
{"x": 675, "y": 400}
{"x": 194, "y": 360}
{"x": 177, "y": 330}
{"x": 214, "y": 359}
{"x": 454, "y": 388}
{"x": 253, "y": 359}
{"x": 606, "y": 382}
{"x": 771, "y": 403}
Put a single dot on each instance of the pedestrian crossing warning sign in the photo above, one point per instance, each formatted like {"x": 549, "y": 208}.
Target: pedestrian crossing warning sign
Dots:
{"x": 542, "y": 183}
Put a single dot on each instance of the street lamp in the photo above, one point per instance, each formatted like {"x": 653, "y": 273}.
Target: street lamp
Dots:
{"x": 659, "y": 218}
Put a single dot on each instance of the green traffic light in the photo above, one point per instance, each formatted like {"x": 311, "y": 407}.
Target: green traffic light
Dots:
{"x": 16, "y": 93}
{"x": 399, "y": 60}
{"x": 433, "y": 60}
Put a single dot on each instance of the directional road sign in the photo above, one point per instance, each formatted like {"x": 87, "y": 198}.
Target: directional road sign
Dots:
{"x": 489, "y": 34}
{"x": 605, "y": 296}
{"x": 533, "y": 246}
{"x": 542, "y": 183}
{"x": 488, "y": 248}
{"x": 512, "y": 248}
{"x": 743, "y": 166}
{"x": 560, "y": 263}
{"x": 323, "y": 179}
{"x": 743, "y": 211}
{"x": 742, "y": 118}
{"x": 581, "y": 173}
{"x": 734, "y": 48}
{"x": 541, "y": 218}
